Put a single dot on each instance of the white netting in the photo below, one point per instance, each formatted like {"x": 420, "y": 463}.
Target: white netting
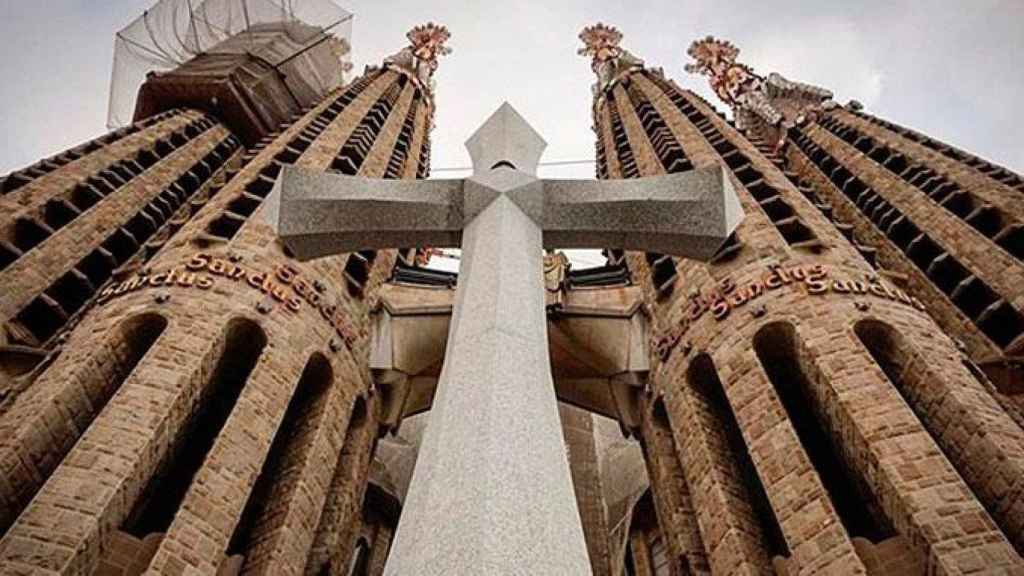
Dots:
{"x": 174, "y": 31}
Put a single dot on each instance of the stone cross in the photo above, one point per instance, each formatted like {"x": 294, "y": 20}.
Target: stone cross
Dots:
{"x": 491, "y": 492}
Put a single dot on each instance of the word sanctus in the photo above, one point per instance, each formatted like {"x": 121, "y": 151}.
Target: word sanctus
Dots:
{"x": 727, "y": 296}
{"x": 285, "y": 285}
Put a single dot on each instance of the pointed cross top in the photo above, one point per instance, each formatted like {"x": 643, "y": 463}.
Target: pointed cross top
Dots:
{"x": 506, "y": 138}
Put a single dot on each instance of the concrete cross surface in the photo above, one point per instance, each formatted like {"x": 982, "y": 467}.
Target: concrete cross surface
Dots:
{"x": 476, "y": 503}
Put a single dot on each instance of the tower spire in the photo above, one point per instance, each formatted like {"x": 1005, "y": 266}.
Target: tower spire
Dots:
{"x": 418, "y": 60}
{"x": 608, "y": 60}
{"x": 601, "y": 43}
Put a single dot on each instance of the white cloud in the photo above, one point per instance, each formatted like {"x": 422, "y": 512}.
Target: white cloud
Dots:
{"x": 943, "y": 69}
{"x": 829, "y": 52}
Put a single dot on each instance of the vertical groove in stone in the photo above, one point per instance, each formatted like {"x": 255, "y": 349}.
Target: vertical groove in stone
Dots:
{"x": 670, "y": 490}
{"x": 37, "y": 432}
{"x": 981, "y": 426}
{"x": 258, "y": 534}
{"x": 341, "y": 516}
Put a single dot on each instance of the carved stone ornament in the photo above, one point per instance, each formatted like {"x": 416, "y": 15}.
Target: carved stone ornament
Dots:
{"x": 774, "y": 100}
{"x": 419, "y": 58}
{"x": 608, "y": 59}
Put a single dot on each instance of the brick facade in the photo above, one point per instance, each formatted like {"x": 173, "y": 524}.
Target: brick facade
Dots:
{"x": 203, "y": 435}
{"x": 807, "y": 416}
{"x": 835, "y": 392}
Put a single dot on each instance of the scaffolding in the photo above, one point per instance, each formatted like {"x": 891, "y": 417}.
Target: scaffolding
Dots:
{"x": 173, "y": 32}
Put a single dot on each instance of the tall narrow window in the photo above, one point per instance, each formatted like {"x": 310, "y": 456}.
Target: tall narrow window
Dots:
{"x": 156, "y": 507}
{"x": 879, "y": 339}
{"x": 278, "y": 478}
{"x": 630, "y": 570}
{"x": 115, "y": 359}
{"x": 332, "y": 542}
{"x": 666, "y": 474}
{"x": 702, "y": 378}
{"x": 777, "y": 348}
{"x": 360, "y": 559}
{"x": 894, "y": 357}
{"x": 646, "y": 549}
{"x": 133, "y": 339}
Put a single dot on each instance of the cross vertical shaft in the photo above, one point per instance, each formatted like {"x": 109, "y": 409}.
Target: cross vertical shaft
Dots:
{"x": 492, "y": 492}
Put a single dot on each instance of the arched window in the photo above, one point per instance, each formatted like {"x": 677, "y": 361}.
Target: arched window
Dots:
{"x": 645, "y": 544}
{"x": 158, "y": 503}
{"x": 702, "y": 378}
{"x": 92, "y": 383}
{"x": 331, "y": 543}
{"x": 673, "y": 494}
{"x": 630, "y": 562}
{"x": 792, "y": 375}
{"x": 276, "y": 482}
{"x": 889, "y": 354}
{"x": 360, "y": 559}
{"x": 357, "y": 419}
{"x": 897, "y": 360}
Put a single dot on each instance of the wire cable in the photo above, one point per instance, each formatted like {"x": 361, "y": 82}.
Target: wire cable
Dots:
{"x": 551, "y": 163}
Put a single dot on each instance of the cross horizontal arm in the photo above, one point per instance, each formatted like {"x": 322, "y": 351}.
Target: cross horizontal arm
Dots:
{"x": 319, "y": 214}
{"x": 688, "y": 214}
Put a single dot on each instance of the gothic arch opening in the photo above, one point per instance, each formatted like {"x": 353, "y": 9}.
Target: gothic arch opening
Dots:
{"x": 896, "y": 359}
{"x": 132, "y": 339}
{"x": 888, "y": 351}
{"x": 360, "y": 559}
{"x": 116, "y": 357}
{"x": 334, "y": 533}
{"x": 155, "y": 507}
{"x": 702, "y": 378}
{"x": 673, "y": 514}
{"x": 379, "y": 516}
{"x": 278, "y": 478}
{"x": 646, "y": 549}
{"x": 793, "y": 376}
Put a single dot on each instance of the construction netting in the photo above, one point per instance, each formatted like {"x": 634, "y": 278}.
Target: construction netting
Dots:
{"x": 173, "y": 32}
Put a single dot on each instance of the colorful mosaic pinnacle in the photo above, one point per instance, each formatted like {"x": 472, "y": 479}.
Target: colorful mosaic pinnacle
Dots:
{"x": 709, "y": 52}
{"x": 774, "y": 100}
{"x": 717, "y": 60}
{"x": 427, "y": 43}
{"x": 601, "y": 43}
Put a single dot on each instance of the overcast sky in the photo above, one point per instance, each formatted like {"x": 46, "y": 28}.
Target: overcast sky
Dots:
{"x": 944, "y": 67}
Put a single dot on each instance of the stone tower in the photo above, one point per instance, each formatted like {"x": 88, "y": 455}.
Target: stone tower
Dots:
{"x": 805, "y": 412}
{"x": 943, "y": 224}
{"x": 69, "y": 222}
{"x": 838, "y": 391}
{"x": 212, "y": 413}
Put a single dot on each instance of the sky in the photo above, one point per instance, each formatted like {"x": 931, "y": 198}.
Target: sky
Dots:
{"x": 944, "y": 67}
